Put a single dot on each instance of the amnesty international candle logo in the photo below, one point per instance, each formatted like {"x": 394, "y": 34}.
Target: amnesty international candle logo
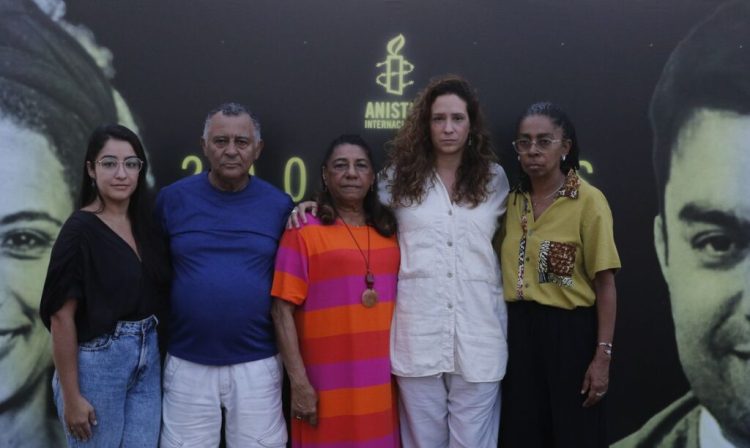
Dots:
{"x": 392, "y": 77}
{"x": 396, "y": 68}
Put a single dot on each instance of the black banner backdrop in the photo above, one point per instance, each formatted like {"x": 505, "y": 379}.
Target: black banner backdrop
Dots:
{"x": 315, "y": 69}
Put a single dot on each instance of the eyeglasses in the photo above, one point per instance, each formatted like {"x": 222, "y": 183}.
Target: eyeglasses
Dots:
{"x": 110, "y": 164}
{"x": 523, "y": 145}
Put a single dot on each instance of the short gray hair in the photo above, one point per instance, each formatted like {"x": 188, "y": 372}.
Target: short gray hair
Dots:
{"x": 232, "y": 109}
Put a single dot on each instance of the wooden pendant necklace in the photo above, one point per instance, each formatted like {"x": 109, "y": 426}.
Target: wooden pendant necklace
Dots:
{"x": 369, "y": 295}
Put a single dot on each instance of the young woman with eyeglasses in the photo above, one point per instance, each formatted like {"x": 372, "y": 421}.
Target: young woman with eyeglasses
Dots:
{"x": 559, "y": 260}
{"x": 105, "y": 283}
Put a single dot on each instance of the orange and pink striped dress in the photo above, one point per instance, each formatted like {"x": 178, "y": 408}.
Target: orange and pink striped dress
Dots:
{"x": 344, "y": 345}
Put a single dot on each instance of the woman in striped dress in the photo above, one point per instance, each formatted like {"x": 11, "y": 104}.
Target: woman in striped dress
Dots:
{"x": 335, "y": 290}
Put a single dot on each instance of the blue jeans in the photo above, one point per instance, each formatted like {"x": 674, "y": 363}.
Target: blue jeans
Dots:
{"x": 120, "y": 375}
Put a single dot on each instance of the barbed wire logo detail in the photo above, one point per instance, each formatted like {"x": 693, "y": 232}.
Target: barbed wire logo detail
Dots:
{"x": 396, "y": 68}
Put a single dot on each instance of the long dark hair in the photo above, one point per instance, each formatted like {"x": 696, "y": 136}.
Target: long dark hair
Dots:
{"x": 140, "y": 209}
{"x": 99, "y": 137}
{"x": 377, "y": 215}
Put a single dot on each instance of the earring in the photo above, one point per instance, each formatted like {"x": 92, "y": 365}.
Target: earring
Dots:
{"x": 468, "y": 143}
{"x": 93, "y": 183}
{"x": 519, "y": 158}
{"x": 563, "y": 157}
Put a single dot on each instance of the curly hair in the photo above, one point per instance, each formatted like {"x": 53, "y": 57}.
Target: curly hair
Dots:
{"x": 377, "y": 215}
{"x": 411, "y": 156}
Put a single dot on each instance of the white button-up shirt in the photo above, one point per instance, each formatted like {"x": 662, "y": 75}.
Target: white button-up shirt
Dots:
{"x": 709, "y": 432}
{"x": 450, "y": 312}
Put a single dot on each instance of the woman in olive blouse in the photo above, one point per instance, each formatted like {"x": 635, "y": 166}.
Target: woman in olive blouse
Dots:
{"x": 558, "y": 263}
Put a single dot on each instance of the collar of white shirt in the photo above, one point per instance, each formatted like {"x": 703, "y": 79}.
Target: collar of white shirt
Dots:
{"x": 709, "y": 432}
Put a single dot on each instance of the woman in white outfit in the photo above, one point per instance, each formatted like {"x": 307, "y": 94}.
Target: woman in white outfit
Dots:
{"x": 448, "y": 348}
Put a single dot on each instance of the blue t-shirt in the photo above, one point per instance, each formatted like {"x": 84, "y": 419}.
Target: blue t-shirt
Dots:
{"x": 223, "y": 246}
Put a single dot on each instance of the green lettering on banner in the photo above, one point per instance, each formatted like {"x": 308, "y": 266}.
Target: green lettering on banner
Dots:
{"x": 192, "y": 160}
{"x": 586, "y": 166}
{"x": 298, "y": 165}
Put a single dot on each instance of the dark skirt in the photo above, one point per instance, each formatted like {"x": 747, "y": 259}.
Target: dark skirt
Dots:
{"x": 549, "y": 351}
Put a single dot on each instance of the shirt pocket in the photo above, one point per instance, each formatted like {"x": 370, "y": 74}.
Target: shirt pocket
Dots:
{"x": 422, "y": 243}
{"x": 476, "y": 256}
{"x": 557, "y": 262}
{"x": 420, "y": 257}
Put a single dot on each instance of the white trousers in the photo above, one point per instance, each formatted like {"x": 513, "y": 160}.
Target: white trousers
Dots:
{"x": 249, "y": 393}
{"x": 443, "y": 410}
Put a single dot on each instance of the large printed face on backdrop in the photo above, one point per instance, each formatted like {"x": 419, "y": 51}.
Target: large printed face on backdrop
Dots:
{"x": 36, "y": 201}
{"x": 705, "y": 258}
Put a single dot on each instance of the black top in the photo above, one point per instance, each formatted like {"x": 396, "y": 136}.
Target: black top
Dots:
{"x": 94, "y": 265}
